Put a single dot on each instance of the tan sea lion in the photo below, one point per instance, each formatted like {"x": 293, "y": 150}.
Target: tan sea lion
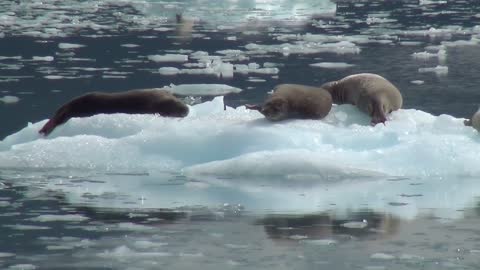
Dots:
{"x": 474, "y": 121}
{"x": 371, "y": 93}
{"x": 144, "y": 101}
{"x": 295, "y": 101}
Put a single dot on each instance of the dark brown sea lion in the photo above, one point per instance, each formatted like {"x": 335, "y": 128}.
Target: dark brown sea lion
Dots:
{"x": 474, "y": 121}
{"x": 145, "y": 101}
{"x": 295, "y": 101}
{"x": 371, "y": 93}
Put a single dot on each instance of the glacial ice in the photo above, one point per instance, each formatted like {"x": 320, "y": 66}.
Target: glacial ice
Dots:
{"x": 241, "y": 143}
{"x": 236, "y": 156}
{"x": 9, "y": 99}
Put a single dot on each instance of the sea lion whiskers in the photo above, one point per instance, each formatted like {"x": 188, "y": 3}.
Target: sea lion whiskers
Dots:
{"x": 277, "y": 109}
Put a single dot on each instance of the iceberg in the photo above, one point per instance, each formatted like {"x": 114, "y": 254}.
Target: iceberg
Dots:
{"x": 237, "y": 142}
{"x": 414, "y": 163}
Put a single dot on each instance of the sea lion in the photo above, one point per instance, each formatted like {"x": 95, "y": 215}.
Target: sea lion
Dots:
{"x": 371, "y": 93}
{"x": 295, "y": 101}
{"x": 144, "y": 101}
{"x": 474, "y": 121}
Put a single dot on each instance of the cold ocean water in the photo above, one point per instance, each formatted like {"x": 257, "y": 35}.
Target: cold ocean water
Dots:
{"x": 225, "y": 189}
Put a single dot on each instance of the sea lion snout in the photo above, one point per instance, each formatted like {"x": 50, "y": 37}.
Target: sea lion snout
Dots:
{"x": 275, "y": 109}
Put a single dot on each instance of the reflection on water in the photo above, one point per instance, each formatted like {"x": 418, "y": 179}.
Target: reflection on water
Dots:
{"x": 361, "y": 225}
{"x": 51, "y": 233}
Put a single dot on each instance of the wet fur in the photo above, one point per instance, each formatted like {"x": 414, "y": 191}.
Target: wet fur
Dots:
{"x": 296, "y": 101}
{"x": 474, "y": 121}
{"x": 371, "y": 93}
{"x": 132, "y": 102}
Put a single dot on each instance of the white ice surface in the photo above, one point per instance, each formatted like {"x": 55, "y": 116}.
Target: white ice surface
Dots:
{"x": 239, "y": 157}
{"x": 202, "y": 89}
{"x": 9, "y": 99}
{"x": 241, "y": 142}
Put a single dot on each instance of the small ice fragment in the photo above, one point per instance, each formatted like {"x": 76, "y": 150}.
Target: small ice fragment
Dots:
{"x": 234, "y": 246}
{"x": 410, "y": 257}
{"x": 59, "y": 247}
{"x": 382, "y": 256}
{"x": 253, "y": 66}
{"x": 6, "y": 254}
{"x": 168, "y": 58}
{"x": 130, "y": 45}
{"x": 22, "y": 267}
{"x": 418, "y": 82}
{"x": 332, "y": 65}
{"x": 439, "y": 70}
{"x": 26, "y": 227}
{"x": 202, "y": 89}
{"x": 355, "y": 224}
{"x": 298, "y": 237}
{"x": 9, "y": 99}
{"x": 43, "y": 58}
{"x": 68, "y": 46}
{"x": 53, "y": 77}
{"x": 169, "y": 70}
{"x": 320, "y": 242}
{"x": 68, "y": 217}
{"x": 376, "y": 267}
{"x": 191, "y": 255}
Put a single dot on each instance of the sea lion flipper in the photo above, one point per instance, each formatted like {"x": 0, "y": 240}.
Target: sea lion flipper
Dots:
{"x": 48, "y": 127}
{"x": 254, "y": 107}
{"x": 468, "y": 122}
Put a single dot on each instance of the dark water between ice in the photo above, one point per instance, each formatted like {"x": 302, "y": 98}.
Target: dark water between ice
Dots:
{"x": 83, "y": 220}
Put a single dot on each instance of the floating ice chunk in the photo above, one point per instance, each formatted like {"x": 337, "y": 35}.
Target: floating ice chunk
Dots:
{"x": 202, "y": 89}
{"x": 128, "y": 45}
{"x": 67, "y": 218}
{"x": 355, "y": 224}
{"x": 333, "y": 65}
{"x": 439, "y": 70}
{"x": 417, "y": 82}
{"x": 123, "y": 252}
{"x": 441, "y": 54}
{"x": 382, "y": 256}
{"x": 460, "y": 43}
{"x": 298, "y": 237}
{"x": 410, "y": 43}
{"x": 22, "y": 267}
{"x": 9, "y": 99}
{"x": 53, "y": 77}
{"x": 256, "y": 80}
{"x": 26, "y": 227}
{"x": 226, "y": 52}
{"x": 320, "y": 242}
{"x": 6, "y": 254}
{"x": 169, "y": 70}
{"x": 69, "y": 46}
{"x": 410, "y": 257}
{"x": 59, "y": 247}
{"x": 168, "y": 58}
{"x": 43, "y": 58}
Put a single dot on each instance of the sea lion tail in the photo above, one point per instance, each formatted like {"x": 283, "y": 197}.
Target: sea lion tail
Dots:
{"x": 48, "y": 127}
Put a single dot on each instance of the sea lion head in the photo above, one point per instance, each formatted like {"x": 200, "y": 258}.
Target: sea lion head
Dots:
{"x": 376, "y": 111}
{"x": 172, "y": 108}
{"x": 275, "y": 109}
